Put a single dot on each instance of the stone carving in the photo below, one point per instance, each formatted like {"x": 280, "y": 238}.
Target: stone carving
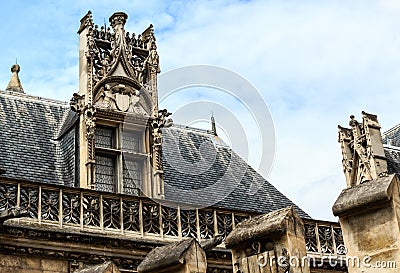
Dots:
{"x": 362, "y": 150}
{"x": 77, "y": 102}
{"x": 157, "y": 124}
{"x": 153, "y": 59}
{"x": 90, "y": 122}
{"x": 11, "y": 213}
{"x": 106, "y": 48}
{"x": 118, "y": 18}
{"x": 119, "y": 97}
{"x": 118, "y": 72}
{"x": 209, "y": 244}
{"x": 284, "y": 263}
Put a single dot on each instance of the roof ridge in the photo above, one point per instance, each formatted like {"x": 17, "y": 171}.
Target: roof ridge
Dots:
{"x": 391, "y": 130}
{"x": 180, "y": 126}
{"x": 217, "y": 141}
{"x": 388, "y": 146}
{"x": 32, "y": 98}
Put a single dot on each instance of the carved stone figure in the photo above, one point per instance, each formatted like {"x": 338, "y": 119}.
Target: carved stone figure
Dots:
{"x": 362, "y": 150}
{"x": 157, "y": 124}
{"x": 77, "y": 102}
{"x": 90, "y": 122}
{"x": 153, "y": 58}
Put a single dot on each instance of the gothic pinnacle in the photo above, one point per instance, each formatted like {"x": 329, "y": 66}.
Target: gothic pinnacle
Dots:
{"x": 15, "y": 84}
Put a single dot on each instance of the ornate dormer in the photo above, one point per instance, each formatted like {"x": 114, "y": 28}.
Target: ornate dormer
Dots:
{"x": 362, "y": 150}
{"x": 120, "y": 125}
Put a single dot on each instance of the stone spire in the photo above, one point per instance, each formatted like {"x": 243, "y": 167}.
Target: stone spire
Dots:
{"x": 15, "y": 84}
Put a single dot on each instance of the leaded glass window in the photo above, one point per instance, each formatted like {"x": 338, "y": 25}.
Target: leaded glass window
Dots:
{"x": 105, "y": 173}
{"x": 130, "y": 141}
{"x": 105, "y": 137}
{"x": 114, "y": 173}
{"x": 132, "y": 174}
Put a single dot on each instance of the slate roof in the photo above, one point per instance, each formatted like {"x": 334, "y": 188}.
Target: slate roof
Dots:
{"x": 29, "y": 126}
{"x": 37, "y": 140}
{"x": 199, "y": 169}
{"x": 392, "y": 136}
{"x": 392, "y": 154}
{"x": 391, "y": 145}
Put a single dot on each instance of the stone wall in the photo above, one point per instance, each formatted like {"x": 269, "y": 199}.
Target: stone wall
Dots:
{"x": 27, "y": 264}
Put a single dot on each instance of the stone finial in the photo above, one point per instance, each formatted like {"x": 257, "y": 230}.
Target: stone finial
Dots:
{"x": 118, "y": 19}
{"x": 15, "y": 84}
{"x": 213, "y": 127}
{"x": 213, "y": 130}
{"x": 353, "y": 122}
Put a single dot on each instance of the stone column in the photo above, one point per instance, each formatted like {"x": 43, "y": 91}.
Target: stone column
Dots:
{"x": 273, "y": 242}
{"x": 370, "y": 219}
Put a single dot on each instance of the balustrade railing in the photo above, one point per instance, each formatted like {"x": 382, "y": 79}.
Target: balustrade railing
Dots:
{"x": 100, "y": 211}
{"x": 324, "y": 238}
{"x": 140, "y": 216}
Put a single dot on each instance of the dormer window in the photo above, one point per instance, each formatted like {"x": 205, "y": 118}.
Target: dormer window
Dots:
{"x": 119, "y": 160}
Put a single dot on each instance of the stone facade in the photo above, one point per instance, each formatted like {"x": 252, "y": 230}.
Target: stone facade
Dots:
{"x": 29, "y": 264}
{"x": 267, "y": 243}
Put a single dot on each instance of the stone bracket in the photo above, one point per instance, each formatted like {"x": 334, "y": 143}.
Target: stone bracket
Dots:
{"x": 12, "y": 213}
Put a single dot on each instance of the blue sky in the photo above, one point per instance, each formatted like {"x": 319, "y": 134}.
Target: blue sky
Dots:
{"x": 314, "y": 62}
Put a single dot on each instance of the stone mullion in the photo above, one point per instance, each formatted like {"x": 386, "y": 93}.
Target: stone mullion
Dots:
{"x": 121, "y": 214}
{"x": 215, "y": 222}
{"x": 160, "y": 221}
{"x": 18, "y": 194}
{"x": 233, "y": 222}
{"x": 40, "y": 205}
{"x": 141, "y": 224}
{"x": 119, "y": 163}
{"x": 198, "y": 225}
{"x": 60, "y": 208}
{"x": 179, "y": 223}
{"x": 317, "y": 237}
{"x": 333, "y": 239}
{"x": 101, "y": 213}
{"x": 81, "y": 210}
